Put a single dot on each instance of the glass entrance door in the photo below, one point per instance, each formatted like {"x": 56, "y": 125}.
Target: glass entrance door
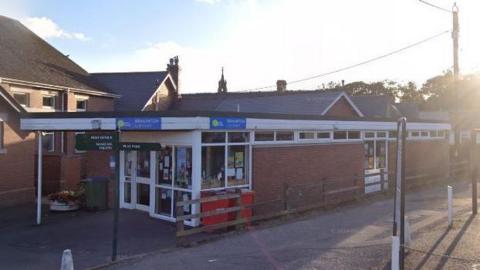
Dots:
{"x": 135, "y": 180}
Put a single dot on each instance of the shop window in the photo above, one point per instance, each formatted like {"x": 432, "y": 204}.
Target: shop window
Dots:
{"x": 213, "y": 137}
{"x": 441, "y": 133}
{"x": 424, "y": 134}
{"x": 163, "y": 203}
{"x": 369, "y": 148}
{"x": 433, "y": 133}
{"x": 306, "y": 135}
{"x": 48, "y": 141}
{"x": 380, "y": 155}
{"x": 183, "y": 167}
{"x": 264, "y": 136}
{"x": 236, "y": 137}
{"x": 48, "y": 102}
{"x": 284, "y": 136}
{"x": 213, "y": 167}
{"x": 184, "y": 196}
{"x": 22, "y": 98}
{"x": 339, "y": 135}
{"x": 415, "y": 134}
{"x": 369, "y": 134}
{"x": 237, "y": 165}
{"x": 164, "y": 166}
{"x": 323, "y": 135}
{"x": 143, "y": 164}
{"x": 353, "y": 135}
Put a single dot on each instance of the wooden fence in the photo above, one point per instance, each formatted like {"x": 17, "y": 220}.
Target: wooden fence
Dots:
{"x": 288, "y": 203}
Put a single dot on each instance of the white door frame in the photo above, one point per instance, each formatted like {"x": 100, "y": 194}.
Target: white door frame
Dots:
{"x": 133, "y": 192}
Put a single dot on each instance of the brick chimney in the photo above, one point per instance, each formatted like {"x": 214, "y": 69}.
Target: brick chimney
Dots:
{"x": 174, "y": 69}
{"x": 281, "y": 85}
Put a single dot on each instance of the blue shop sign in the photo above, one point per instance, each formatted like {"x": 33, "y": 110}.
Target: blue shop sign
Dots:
{"x": 228, "y": 123}
{"x": 143, "y": 123}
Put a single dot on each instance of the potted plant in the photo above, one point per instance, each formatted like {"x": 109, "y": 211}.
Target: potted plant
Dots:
{"x": 65, "y": 200}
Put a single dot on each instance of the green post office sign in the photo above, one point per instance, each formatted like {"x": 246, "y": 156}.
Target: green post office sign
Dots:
{"x": 95, "y": 142}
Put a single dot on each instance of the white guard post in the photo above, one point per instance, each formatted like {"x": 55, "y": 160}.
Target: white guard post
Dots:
{"x": 395, "y": 253}
{"x": 39, "y": 178}
{"x": 450, "y": 210}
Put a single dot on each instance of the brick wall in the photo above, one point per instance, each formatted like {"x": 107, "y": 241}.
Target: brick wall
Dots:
{"x": 16, "y": 165}
{"x": 273, "y": 166}
{"x": 422, "y": 156}
{"x": 342, "y": 109}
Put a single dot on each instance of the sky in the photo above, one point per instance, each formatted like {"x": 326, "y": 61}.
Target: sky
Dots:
{"x": 256, "y": 41}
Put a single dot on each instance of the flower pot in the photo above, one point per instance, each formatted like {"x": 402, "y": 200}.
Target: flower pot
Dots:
{"x": 64, "y": 206}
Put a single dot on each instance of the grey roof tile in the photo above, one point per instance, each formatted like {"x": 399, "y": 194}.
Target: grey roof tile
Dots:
{"x": 25, "y": 56}
{"x": 135, "y": 88}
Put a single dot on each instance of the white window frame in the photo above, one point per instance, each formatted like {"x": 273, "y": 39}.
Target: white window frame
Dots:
{"x": 82, "y": 99}
{"x": 226, "y": 144}
{"x": 53, "y": 97}
{"x": 27, "y": 98}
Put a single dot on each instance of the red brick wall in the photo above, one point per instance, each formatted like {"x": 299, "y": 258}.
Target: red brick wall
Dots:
{"x": 273, "y": 166}
{"x": 422, "y": 156}
{"x": 16, "y": 165}
{"x": 342, "y": 109}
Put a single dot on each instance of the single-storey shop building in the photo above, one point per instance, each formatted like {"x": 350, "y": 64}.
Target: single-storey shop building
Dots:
{"x": 200, "y": 152}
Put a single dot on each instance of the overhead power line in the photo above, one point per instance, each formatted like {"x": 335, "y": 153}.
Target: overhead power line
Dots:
{"x": 360, "y": 63}
{"x": 435, "y": 6}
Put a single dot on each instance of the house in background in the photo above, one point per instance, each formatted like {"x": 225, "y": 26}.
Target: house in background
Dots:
{"x": 37, "y": 78}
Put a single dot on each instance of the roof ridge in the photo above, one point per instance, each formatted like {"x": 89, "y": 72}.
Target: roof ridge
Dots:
{"x": 127, "y": 72}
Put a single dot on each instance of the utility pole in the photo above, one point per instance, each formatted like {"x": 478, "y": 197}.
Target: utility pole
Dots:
{"x": 456, "y": 75}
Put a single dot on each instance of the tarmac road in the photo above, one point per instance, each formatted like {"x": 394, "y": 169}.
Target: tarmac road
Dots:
{"x": 349, "y": 237}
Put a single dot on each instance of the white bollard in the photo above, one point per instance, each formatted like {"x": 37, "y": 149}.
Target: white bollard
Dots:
{"x": 450, "y": 210}
{"x": 395, "y": 253}
{"x": 408, "y": 235}
{"x": 67, "y": 260}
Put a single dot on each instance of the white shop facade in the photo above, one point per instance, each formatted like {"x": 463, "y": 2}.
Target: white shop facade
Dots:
{"x": 199, "y": 153}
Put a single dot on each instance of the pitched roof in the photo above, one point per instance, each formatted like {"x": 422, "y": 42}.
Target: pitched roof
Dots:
{"x": 289, "y": 102}
{"x": 373, "y": 106}
{"x": 26, "y": 57}
{"x": 135, "y": 88}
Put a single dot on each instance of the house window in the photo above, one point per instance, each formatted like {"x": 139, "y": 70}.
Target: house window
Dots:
{"x": 48, "y": 141}
{"x": 81, "y": 105}
{"x": 263, "y": 136}
{"x": 284, "y": 136}
{"x": 48, "y": 102}
{"x": 339, "y": 135}
{"x": 22, "y": 98}
{"x": 307, "y": 135}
